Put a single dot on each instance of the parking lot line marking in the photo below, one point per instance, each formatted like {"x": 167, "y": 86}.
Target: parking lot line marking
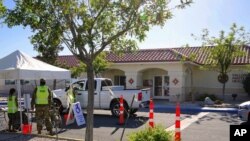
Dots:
{"x": 188, "y": 121}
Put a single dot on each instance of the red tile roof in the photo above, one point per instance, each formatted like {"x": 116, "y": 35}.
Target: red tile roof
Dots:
{"x": 145, "y": 55}
{"x": 160, "y": 55}
{"x": 68, "y": 60}
{"x": 201, "y": 55}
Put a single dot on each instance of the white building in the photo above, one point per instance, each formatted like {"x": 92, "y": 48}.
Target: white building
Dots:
{"x": 165, "y": 72}
{"x": 168, "y": 75}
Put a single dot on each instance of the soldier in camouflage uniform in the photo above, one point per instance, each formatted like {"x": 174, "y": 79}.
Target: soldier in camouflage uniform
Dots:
{"x": 41, "y": 98}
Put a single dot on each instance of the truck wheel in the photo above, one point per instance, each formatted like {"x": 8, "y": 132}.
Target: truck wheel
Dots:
{"x": 248, "y": 120}
{"x": 115, "y": 109}
{"x": 58, "y": 105}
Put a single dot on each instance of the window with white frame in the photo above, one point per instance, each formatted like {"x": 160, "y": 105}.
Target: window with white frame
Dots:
{"x": 120, "y": 80}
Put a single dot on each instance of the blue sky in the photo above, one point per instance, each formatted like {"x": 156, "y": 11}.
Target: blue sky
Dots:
{"x": 215, "y": 15}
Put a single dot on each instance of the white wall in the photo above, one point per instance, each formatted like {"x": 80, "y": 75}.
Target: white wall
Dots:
{"x": 29, "y": 88}
{"x": 140, "y": 71}
{"x": 205, "y": 81}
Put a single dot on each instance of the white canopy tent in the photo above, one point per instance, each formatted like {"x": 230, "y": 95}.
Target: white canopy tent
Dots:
{"x": 19, "y": 65}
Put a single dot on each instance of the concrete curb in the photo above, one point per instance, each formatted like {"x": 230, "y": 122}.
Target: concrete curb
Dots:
{"x": 195, "y": 109}
{"x": 41, "y": 136}
{"x": 54, "y": 137}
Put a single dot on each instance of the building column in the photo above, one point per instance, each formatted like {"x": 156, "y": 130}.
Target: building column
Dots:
{"x": 132, "y": 80}
{"x": 176, "y": 85}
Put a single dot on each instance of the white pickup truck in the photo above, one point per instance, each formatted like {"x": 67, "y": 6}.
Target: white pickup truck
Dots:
{"x": 106, "y": 96}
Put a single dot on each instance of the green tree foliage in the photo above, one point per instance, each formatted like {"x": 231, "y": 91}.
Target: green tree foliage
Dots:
{"x": 100, "y": 64}
{"x": 2, "y": 9}
{"x": 78, "y": 70}
{"x": 88, "y": 27}
{"x": 223, "y": 50}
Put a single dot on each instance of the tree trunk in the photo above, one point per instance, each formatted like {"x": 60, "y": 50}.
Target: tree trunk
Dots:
{"x": 90, "y": 107}
{"x": 223, "y": 91}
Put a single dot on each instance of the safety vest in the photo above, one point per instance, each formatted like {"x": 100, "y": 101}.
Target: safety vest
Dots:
{"x": 12, "y": 107}
{"x": 42, "y": 95}
{"x": 71, "y": 95}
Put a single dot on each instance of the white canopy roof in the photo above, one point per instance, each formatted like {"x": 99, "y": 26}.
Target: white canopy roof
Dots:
{"x": 19, "y": 65}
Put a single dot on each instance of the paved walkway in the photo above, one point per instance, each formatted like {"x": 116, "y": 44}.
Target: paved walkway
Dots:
{"x": 197, "y": 106}
{"x": 5, "y": 136}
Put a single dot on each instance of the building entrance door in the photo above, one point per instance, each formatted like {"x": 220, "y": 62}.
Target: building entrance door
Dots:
{"x": 161, "y": 87}
{"x": 157, "y": 86}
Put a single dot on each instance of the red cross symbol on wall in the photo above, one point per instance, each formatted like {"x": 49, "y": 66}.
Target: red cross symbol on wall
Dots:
{"x": 131, "y": 81}
{"x": 175, "y": 81}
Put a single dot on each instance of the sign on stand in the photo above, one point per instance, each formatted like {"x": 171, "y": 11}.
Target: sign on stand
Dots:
{"x": 78, "y": 114}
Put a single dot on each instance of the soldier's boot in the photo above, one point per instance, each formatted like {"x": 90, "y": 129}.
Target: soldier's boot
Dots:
{"x": 12, "y": 129}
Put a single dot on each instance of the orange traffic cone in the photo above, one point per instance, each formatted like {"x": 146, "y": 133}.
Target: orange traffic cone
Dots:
{"x": 151, "y": 113}
{"x": 177, "y": 123}
{"x": 121, "y": 117}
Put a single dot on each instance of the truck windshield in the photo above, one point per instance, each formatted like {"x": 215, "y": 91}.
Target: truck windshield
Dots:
{"x": 79, "y": 85}
{"x": 106, "y": 82}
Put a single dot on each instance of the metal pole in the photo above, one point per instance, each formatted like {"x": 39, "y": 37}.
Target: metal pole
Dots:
{"x": 128, "y": 112}
{"x": 53, "y": 114}
{"x": 19, "y": 102}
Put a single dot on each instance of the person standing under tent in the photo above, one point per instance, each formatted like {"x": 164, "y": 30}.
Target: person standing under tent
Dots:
{"x": 12, "y": 109}
{"x": 41, "y": 99}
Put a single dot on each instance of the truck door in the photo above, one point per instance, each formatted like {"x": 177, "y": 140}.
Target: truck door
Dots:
{"x": 105, "y": 96}
{"x": 96, "y": 96}
{"x": 79, "y": 91}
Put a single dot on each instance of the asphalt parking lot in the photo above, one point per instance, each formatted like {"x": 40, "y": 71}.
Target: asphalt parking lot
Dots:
{"x": 106, "y": 127}
{"x": 212, "y": 125}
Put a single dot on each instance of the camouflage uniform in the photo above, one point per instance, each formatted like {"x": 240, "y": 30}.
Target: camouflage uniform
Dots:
{"x": 42, "y": 113}
{"x": 42, "y": 108}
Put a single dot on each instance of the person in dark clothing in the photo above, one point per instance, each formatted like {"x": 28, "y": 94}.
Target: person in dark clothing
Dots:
{"x": 12, "y": 109}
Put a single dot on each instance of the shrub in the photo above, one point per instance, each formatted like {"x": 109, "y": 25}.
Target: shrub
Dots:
{"x": 219, "y": 102}
{"x": 211, "y": 96}
{"x": 158, "y": 133}
{"x": 246, "y": 84}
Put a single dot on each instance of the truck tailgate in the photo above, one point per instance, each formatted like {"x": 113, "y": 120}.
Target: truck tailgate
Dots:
{"x": 145, "y": 94}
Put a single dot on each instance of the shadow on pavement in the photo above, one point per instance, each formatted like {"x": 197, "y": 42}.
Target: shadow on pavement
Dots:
{"x": 101, "y": 121}
{"x": 226, "y": 117}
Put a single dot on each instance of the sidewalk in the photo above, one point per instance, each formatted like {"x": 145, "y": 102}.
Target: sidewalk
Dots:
{"x": 197, "y": 106}
{"x": 5, "y": 136}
